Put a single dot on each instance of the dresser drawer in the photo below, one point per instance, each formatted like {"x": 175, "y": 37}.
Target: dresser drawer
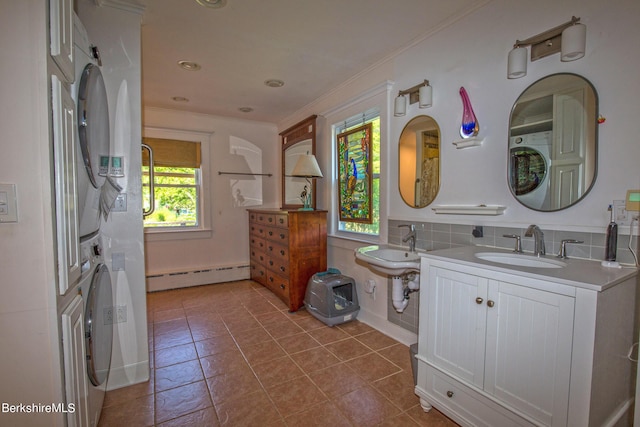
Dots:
{"x": 265, "y": 218}
{"x": 279, "y": 266}
{"x": 278, "y": 285}
{"x": 277, "y": 251}
{"x": 277, "y": 234}
{"x": 257, "y": 229}
{"x": 258, "y": 273}
{"x": 258, "y": 255}
{"x": 257, "y": 242}
{"x": 281, "y": 220}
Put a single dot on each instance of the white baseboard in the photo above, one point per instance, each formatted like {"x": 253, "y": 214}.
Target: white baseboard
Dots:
{"x": 204, "y": 276}
{"x": 128, "y": 375}
{"x": 390, "y": 329}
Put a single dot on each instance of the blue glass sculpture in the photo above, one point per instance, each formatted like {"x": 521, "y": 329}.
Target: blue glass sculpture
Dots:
{"x": 470, "y": 126}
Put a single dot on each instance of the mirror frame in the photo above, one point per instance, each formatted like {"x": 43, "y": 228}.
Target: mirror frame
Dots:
{"x": 300, "y": 132}
{"x": 437, "y": 128}
{"x": 591, "y": 118}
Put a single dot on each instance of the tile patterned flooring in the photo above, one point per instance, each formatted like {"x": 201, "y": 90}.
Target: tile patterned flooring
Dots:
{"x": 232, "y": 355}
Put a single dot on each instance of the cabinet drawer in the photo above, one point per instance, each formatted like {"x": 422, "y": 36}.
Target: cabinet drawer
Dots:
{"x": 258, "y": 273}
{"x": 278, "y": 265}
{"x": 265, "y": 218}
{"x": 276, "y": 251}
{"x": 459, "y": 401}
{"x": 281, "y": 220}
{"x": 278, "y": 285}
{"x": 257, "y": 242}
{"x": 277, "y": 234}
{"x": 258, "y": 255}
{"x": 256, "y": 229}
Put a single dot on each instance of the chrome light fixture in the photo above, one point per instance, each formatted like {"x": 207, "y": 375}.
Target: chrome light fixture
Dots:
{"x": 421, "y": 93}
{"x": 307, "y": 167}
{"x": 568, "y": 38}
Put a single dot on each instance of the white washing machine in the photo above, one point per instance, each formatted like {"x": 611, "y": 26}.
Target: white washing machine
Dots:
{"x": 97, "y": 293}
{"x": 93, "y": 136}
{"x": 530, "y": 157}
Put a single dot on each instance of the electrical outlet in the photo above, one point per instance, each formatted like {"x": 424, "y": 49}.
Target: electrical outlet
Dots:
{"x": 108, "y": 315}
{"x": 120, "y": 204}
{"x": 622, "y": 214}
{"x": 121, "y": 313}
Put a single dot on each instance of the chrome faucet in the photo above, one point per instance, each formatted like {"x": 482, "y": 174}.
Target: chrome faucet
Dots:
{"x": 410, "y": 237}
{"x": 538, "y": 239}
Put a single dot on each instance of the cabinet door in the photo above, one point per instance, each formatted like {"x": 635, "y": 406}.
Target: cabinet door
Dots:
{"x": 67, "y": 223}
{"x": 456, "y": 323}
{"x": 528, "y": 350}
{"x": 74, "y": 362}
{"x": 61, "y": 30}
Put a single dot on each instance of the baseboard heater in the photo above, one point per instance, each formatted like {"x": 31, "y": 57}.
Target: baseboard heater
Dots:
{"x": 203, "y": 276}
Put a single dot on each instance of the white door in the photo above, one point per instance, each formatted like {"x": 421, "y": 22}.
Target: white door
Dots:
{"x": 456, "y": 323}
{"x": 67, "y": 222}
{"x": 528, "y": 350}
{"x": 73, "y": 351}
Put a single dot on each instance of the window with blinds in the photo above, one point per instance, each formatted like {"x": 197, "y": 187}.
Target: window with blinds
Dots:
{"x": 176, "y": 183}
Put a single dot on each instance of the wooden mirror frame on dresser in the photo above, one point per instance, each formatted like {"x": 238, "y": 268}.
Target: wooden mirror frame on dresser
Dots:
{"x": 301, "y": 132}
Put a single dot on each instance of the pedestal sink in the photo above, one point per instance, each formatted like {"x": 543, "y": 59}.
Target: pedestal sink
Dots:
{"x": 394, "y": 261}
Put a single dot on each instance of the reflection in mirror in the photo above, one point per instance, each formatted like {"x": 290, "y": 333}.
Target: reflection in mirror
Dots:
{"x": 294, "y": 186}
{"x": 552, "y": 142}
{"x": 296, "y": 140}
{"x": 419, "y": 161}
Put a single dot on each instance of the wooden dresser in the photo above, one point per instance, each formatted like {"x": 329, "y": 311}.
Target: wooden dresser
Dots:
{"x": 287, "y": 248}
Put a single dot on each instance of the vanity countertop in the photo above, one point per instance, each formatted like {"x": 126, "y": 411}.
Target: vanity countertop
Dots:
{"x": 588, "y": 274}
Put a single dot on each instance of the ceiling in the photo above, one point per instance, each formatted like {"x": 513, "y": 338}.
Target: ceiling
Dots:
{"x": 312, "y": 46}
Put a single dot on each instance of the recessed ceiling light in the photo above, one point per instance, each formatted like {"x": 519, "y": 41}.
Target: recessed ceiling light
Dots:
{"x": 214, "y": 4}
{"x": 189, "y": 65}
{"x": 274, "y": 83}
{"x": 180, "y": 99}
{"x": 245, "y": 109}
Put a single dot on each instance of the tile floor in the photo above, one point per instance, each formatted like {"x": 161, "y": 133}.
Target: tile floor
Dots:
{"x": 232, "y": 355}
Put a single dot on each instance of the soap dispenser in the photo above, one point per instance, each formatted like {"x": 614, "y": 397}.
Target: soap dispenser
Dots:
{"x": 611, "y": 242}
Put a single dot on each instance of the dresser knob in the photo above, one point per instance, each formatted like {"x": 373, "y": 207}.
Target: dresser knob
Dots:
{"x": 282, "y": 269}
{"x": 281, "y": 252}
{"x": 281, "y": 286}
{"x": 282, "y": 236}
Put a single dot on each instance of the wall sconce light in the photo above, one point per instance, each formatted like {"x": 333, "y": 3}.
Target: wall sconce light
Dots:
{"x": 421, "y": 93}
{"x": 569, "y": 39}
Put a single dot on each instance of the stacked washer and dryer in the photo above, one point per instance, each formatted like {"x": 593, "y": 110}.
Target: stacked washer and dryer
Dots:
{"x": 94, "y": 186}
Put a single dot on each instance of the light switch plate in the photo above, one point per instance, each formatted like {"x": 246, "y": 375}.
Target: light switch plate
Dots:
{"x": 8, "y": 203}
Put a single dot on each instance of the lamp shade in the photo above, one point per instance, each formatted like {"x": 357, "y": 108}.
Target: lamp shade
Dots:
{"x": 425, "y": 96}
{"x": 307, "y": 167}
{"x": 400, "y": 107}
{"x": 574, "y": 40}
{"x": 517, "y": 63}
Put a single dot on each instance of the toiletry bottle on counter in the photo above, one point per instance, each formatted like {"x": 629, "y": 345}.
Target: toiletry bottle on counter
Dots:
{"x": 611, "y": 241}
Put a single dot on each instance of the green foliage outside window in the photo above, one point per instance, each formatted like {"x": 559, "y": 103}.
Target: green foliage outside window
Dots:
{"x": 176, "y": 196}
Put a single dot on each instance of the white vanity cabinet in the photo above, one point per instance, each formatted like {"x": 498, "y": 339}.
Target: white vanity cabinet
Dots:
{"x": 504, "y": 346}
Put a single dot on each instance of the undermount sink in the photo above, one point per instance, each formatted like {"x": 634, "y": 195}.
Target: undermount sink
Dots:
{"x": 389, "y": 260}
{"x": 520, "y": 260}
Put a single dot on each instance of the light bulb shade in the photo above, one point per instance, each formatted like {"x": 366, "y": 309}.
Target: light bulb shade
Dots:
{"x": 307, "y": 167}
{"x": 400, "y": 107}
{"x": 574, "y": 39}
{"x": 425, "y": 96}
{"x": 517, "y": 63}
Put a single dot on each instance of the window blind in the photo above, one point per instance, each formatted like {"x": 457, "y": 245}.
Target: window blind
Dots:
{"x": 357, "y": 120}
{"x": 172, "y": 153}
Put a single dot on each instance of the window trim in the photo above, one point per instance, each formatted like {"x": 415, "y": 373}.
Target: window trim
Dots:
{"x": 204, "y": 229}
{"x": 380, "y": 96}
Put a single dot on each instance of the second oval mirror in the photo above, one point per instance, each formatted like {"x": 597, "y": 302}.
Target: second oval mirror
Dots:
{"x": 419, "y": 161}
{"x": 553, "y": 142}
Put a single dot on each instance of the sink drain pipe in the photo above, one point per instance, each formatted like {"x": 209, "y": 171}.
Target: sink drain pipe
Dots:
{"x": 402, "y": 287}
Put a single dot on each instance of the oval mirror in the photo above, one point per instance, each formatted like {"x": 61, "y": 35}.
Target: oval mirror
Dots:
{"x": 553, "y": 142}
{"x": 419, "y": 161}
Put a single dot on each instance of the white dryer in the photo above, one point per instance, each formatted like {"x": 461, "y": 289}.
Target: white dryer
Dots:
{"x": 530, "y": 157}
{"x": 92, "y": 131}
